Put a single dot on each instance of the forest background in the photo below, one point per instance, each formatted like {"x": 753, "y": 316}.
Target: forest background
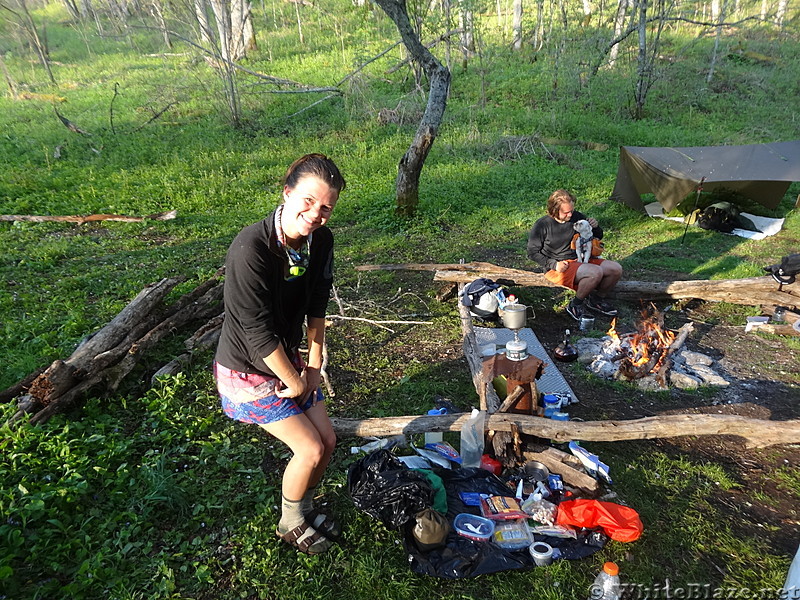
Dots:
{"x": 135, "y": 108}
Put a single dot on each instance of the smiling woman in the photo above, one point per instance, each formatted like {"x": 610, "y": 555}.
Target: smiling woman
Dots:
{"x": 279, "y": 274}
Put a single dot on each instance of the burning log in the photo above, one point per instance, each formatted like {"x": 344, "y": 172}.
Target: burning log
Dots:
{"x": 647, "y": 350}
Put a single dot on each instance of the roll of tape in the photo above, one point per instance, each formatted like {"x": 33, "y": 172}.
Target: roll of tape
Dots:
{"x": 541, "y": 553}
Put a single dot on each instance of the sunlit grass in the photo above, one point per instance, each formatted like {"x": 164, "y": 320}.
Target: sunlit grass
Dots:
{"x": 154, "y": 494}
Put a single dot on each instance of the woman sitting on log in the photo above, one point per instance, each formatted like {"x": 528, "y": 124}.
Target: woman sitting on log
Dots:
{"x": 279, "y": 274}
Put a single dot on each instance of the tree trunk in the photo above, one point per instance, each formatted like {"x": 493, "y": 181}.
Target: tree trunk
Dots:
{"x": 718, "y": 14}
{"x": 243, "y": 34}
{"x": 538, "y": 40}
{"x": 225, "y": 68}
{"x": 780, "y": 15}
{"x": 517, "y": 25}
{"x": 410, "y": 167}
{"x": 72, "y": 9}
{"x": 587, "y": 13}
{"x": 86, "y": 9}
{"x": 619, "y": 24}
{"x": 159, "y": 15}
{"x": 467, "y": 35}
{"x": 299, "y": 22}
{"x": 201, "y": 11}
{"x": 33, "y": 35}
{"x": 642, "y": 67}
{"x": 752, "y": 291}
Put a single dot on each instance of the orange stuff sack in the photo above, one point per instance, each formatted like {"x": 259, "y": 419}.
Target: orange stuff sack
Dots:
{"x": 618, "y": 522}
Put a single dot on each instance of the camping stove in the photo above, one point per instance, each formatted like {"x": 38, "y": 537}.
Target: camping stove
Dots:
{"x": 513, "y": 316}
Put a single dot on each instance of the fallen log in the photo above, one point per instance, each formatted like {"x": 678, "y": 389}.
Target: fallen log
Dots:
{"x": 81, "y": 219}
{"x": 751, "y": 291}
{"x": 105, "y": 358}
{"x": 757, "y": 433}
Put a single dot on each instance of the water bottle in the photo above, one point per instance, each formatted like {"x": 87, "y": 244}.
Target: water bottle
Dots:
{"x": 606, "y": 584}
{"x": 431, "y": 437}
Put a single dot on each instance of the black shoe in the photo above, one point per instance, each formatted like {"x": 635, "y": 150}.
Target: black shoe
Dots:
{"x": 576, "y": 311}
{"x": 598, "y": 305}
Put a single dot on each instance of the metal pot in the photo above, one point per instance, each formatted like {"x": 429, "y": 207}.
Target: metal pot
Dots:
{"x": 514, "y": 316}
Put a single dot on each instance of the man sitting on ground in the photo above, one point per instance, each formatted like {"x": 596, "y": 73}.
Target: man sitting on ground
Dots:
{"x": 549, "y": 245}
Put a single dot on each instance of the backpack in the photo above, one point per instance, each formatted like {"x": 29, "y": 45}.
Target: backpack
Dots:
{"x": 480, "y": 297}
{"x": 722, "y": 216}
{"x": 786, "y": 272}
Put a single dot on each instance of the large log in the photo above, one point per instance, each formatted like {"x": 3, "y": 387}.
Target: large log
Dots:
{"x": 106, "y": 357}
{"x": 751, "y": 291}
{"x": 757, "y": 433}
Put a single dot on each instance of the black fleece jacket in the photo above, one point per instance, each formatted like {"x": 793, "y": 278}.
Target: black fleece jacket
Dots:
{"x": 549, "y": 241}
{"x": 262, "y": 309}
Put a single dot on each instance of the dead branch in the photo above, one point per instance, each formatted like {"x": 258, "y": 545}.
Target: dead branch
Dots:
{"x": 429, "y": 45}
{"x": 380, "y": 323}
{"x": 69, "y": 124}
{"x": 155, "y": 116}
{"x": 81, "y": 219}
{"x": 364, "y": 64}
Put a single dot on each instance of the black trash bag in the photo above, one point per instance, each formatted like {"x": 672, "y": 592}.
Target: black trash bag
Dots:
{"x": 384, "y": 488}
{"x": 588, "y": 542}
{"x": 462, "y": 557}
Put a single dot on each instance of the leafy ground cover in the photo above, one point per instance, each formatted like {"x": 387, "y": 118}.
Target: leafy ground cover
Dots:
{"x": 152, "y": 493}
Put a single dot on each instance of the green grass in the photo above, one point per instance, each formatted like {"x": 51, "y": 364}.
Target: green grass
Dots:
{"x": 153, "y": 493}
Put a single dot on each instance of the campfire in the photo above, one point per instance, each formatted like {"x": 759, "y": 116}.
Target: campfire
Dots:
{"x": 644, "y": 351}
{"x": 653, "y": 356}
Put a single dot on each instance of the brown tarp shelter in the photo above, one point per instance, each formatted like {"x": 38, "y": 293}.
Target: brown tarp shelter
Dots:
{"x": 762, "y": 172}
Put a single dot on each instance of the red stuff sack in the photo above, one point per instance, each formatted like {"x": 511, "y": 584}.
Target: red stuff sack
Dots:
{"x": 620, "y": 523}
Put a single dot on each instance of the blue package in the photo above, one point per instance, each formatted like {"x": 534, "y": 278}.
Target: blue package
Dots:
{"x": 472, "y": 498}
{"x": 554, "y": 482}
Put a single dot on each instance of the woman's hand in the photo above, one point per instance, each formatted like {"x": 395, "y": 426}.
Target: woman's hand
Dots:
{"x": 295, "y": 387}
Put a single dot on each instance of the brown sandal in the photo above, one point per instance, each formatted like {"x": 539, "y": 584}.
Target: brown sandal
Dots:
{"x": 304, "y": 538}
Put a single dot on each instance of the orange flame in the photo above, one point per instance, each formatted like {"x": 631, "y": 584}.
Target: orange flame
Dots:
{"x": 650, "y": 339}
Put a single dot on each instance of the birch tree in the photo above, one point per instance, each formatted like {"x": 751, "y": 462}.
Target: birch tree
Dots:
{"x": 619, "y": 24}
{"x": 410, "y": 167}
